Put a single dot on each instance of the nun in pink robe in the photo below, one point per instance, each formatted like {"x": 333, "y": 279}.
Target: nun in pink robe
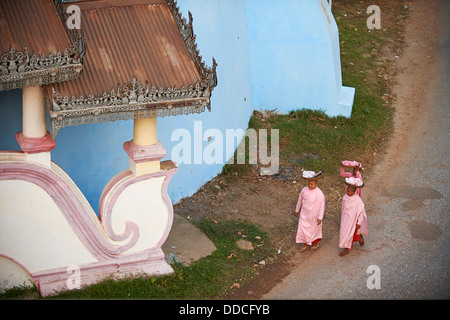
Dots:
{"x": 353, "y": 213}
{"x": 354, "y": 174}
{"x": 312, "y": 203}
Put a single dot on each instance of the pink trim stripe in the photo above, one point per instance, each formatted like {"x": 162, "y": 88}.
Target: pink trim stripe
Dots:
{"x": 109, "y": 186}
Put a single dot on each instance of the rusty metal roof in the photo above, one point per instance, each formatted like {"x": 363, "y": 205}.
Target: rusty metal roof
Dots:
{"x": 34, "y": 25}
{"x": 125, "y": 41}
{"x": 141, "y": 61}
{"x": 35, "y": 46}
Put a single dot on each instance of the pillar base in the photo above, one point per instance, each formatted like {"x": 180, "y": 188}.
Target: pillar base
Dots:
{"x": 35, "y": 145}
{"x": 144, "y": 159}
{"x": 141, "y": 168}
{"x": 139, "y": 154}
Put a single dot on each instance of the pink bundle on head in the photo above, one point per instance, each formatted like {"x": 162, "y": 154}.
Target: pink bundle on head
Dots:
{"x": 347, "y": 163}
{"x": 311, "y": 175}
{"x": 354, "y": 182}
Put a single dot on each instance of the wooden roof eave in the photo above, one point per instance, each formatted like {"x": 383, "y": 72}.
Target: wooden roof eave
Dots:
{"x": 20, "y": 69}
{"x": 133, "y": 100}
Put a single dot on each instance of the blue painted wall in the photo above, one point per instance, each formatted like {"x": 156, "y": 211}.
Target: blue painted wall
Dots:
{"x": 10, "y": 118}
{"x": 270, "y": 54}
{"x": 220, "y": 29}
{"x": 294, "y": 54}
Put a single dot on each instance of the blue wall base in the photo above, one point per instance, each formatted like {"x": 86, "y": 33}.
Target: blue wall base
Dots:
{"x": 345, "y": 102}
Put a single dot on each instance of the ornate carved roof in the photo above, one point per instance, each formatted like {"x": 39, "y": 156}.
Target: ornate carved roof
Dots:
{"x": 36, "y": 47}
{"x": 141, "y": 61}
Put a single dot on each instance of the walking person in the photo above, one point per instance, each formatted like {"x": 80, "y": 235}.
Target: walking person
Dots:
{"x": 312, "y": 203}
{"x": 356, "y": 172}
{"x": 353, "y": 219}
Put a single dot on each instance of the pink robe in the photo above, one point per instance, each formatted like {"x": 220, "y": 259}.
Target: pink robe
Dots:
{"x": 349, "y": 175}
{"x": 353, "y": 212}
{"x": 312, "y": 203}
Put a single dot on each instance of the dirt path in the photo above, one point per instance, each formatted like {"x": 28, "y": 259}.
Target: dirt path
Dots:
{"x": 406, "y": 198}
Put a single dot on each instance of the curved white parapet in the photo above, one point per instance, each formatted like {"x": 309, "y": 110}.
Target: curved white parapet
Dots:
{"x": 48, "y": 228}
{"x": 130, "y": 200}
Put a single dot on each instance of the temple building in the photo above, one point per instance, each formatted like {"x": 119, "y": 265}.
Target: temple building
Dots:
{"x": 128, "y": 60}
